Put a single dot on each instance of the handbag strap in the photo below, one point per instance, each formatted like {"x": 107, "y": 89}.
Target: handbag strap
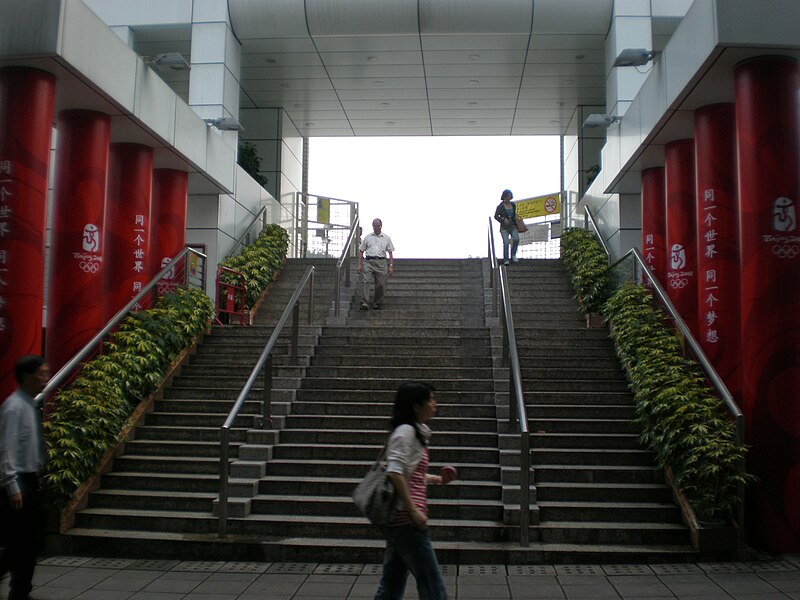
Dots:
{"x": 382, "y": 452}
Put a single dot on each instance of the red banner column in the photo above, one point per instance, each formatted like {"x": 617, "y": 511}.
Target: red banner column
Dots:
{"x": 127, "y": 231}
{"x": 27, "y": 100}
{"x": 168, "y": 232}
{"x": 768, "y": 145}
{"x": 681, "y": 241}
{"x": 74, "y": 307}
{"x": 654, "y": 215}
{"x": 718, "y": 240}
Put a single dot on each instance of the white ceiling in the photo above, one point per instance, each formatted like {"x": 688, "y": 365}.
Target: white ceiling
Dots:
{"x": 414, "y": 67}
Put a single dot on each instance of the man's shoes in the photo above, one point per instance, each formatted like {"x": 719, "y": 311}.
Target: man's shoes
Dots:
{"x": 364, "y": 306}
{"x": 506, "y": 263}
{"x": 376, "y": 306}
{"x": 515, "y": 259}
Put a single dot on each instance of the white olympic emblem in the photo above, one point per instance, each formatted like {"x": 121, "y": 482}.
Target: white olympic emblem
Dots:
{"x": 89, "y": 266}
{"x": 785, "y": 251}
{"x": 679, "y": 282}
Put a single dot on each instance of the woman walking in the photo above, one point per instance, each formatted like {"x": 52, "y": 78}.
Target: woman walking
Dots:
{"x": 506, "y": 215}
{"x": 408, "y": 543}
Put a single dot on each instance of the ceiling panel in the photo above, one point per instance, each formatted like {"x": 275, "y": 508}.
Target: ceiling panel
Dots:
{"x": 469, "y": 66}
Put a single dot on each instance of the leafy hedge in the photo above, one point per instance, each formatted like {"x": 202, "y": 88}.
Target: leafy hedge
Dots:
{"x": 258, "y": 262}
{"x": 681, "y": 418}
{"x": 587, "y": 265}
{"x": 86, "y": 418}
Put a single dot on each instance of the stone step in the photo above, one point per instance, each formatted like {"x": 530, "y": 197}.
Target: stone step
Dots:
{"x": 613, "y": 533}
{"x": 601, "y": 474}
{"x": 193, "y": 448}
{"x": 601, "y": 424}
{"x": 200, "y": 434}
{"x": 600, "y": 456}
{"x": 545, "y": 412}
{"x": 588, "y": 373}
{"x": 325, "y": 434}
{"x": 156, "y": 481}
{"x": 356, "y": 360}
{"x": 457, "y": 423}
{"x": 603, "y": 492}
{"x": 386, "y": 396}
{"x": 390, "y": 384}
{"x": 279, "y": 467}
{"x": 345, "y": 451}
{"x": 321, "y": 486}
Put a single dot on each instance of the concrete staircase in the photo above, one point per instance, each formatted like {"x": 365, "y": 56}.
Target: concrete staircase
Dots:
{"x": 595, "y": 486}
{"x": 599, "y": 497}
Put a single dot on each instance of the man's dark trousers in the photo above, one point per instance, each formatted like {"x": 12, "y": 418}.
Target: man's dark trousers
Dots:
{"x": 23, "y": 536}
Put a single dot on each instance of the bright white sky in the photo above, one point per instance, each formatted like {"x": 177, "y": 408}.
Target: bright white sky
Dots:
{"x": 433, "y": 194}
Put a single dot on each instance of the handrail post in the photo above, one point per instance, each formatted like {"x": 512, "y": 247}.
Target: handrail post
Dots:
{"x": 512, "y": 399}
{"x": 525, "y": 490}
{"x": 311, "y": 298}
{"x": 295, "y": 332}
{"x": 266, "y": 394}
{"x": 224, "y": 468}
{"x": 336, "y": 292}
{"x": 347, "y": 270}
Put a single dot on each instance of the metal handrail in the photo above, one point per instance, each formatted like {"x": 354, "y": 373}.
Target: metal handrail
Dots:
{"x": 264, "y": 362}
{"x": 344, "y": 259}
{"x": 65, "y": 373}
{"x": 246, "y": 231}
{"x": 697, "y": 351}
{"x": 516, "y": 395}
{"x": 519, "y": 413}
{"x": 492, "y": 268}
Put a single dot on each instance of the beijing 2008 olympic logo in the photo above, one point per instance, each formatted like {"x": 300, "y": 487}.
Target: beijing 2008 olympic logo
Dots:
{"x": 89, "y": 259}
{"x": 785, "y": 242}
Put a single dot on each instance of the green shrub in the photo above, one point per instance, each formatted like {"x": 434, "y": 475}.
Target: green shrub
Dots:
{"x": 258, "y": 262}
{"x": 682, "y": 420}
{"x": 86, "y": 418}
{"x": 587, "y": 265}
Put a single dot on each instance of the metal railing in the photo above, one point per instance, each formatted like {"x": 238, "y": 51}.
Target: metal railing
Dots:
{"x": 188, "y": 268}
{"x": 244, "y": 239}
{"x": 264, "y": 363}
{"x": 518, "y": 414}
{"x": 641, "y": 273}
{"x": 344, "y": 262}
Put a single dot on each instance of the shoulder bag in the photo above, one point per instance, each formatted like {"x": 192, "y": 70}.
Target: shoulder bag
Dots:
{"x": 520, "y": 223}
{"x": 376, "y": 497}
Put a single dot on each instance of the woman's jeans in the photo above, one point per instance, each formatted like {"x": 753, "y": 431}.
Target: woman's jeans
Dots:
{"x": 510, "y": 236}
{"x": 408, "y": 548}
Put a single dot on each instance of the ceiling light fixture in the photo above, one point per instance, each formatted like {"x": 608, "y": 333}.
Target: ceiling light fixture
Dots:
{"x": 600, "y": 120}
{"x": 474, "y": 56}
{"x": 472, "y": 104}
{"x": 270, "y": 61}
{"x": 379, "y": 83}
{"x": 385, "y": 105}
{"x": 473, "y": 82}
{"x": 172, "y": 60}
{"x": 472, "y": 123}
{"x": 225, "y": 124}
{"x": 634, "y": 57}
{"x": 372, "y": 59}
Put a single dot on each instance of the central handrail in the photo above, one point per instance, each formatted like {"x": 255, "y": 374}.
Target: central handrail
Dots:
{"x": 697, "y": 351}
{"x": 64, "y": 373}
{"x": 344, "y": 259}
{"x": 516, "y": 395}
{"x": 264, "y": 362}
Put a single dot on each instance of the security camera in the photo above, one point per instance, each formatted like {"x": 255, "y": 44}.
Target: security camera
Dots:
{"x": 598, "y": 120}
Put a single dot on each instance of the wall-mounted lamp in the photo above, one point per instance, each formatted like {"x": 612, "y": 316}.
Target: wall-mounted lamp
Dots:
{"x": 225, "y": 124}
{"x": 634, "y": 57}
{"x": 173, "y": 60}
{"x": 598, "y": 120}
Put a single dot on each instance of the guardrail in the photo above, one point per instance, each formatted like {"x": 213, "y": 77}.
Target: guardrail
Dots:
{"x": 264, "y": 363}
{"x": 188, "y": 268}
{"x": 344, "y": 261}
{"x": 641, "y": 273}
{"x": 516, "y": 396}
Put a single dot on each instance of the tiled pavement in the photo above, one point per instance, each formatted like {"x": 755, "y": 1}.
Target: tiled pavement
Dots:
{"x": 64, "y": 577}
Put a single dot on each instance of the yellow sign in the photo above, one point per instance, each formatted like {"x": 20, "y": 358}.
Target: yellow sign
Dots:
{"x": 540, "y": 206}
{"x": 323, "y": 210}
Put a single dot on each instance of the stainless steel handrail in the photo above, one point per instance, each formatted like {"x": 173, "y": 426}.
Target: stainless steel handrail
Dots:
{"x": 518, "y": 413}
{"x": 245, "y": 233}
{"x": 492, "y": 268}
{"x": 264, "y": 362}
{"x": 344, "y": 259}
{"x": 697, "y": 351}
{"x": 64, "y": 373}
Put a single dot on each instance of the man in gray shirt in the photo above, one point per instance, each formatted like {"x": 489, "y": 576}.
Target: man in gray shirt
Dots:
{"x": 375, "y": 268}
{"x": 22, "y": 455}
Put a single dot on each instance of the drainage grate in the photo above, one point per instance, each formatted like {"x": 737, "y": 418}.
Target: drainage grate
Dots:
{"x": 153, "y": 565}
{"x": 579, "y": 570}
{"x": 65, "y": 561}
{"x": 199, "y": 566}
{"x": 531, "y": 570}
{"x": 627, "y": 570}
{"x": 295, "y": 568}
{"x": 676, "y": 569}
{"x": 726, "y": 568}
{"x": 372, "y": 570}
{"x": 482, "y": 570}
{"x": 769, "y": 567}
{"x": 244, "y": 567}
{"x": 338, "y": 569}
{"x": 109, "y": 563}
{"x": 449, "y": 570}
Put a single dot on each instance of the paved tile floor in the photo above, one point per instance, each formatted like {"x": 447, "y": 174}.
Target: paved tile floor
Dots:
{"x": 80, "y": 578}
